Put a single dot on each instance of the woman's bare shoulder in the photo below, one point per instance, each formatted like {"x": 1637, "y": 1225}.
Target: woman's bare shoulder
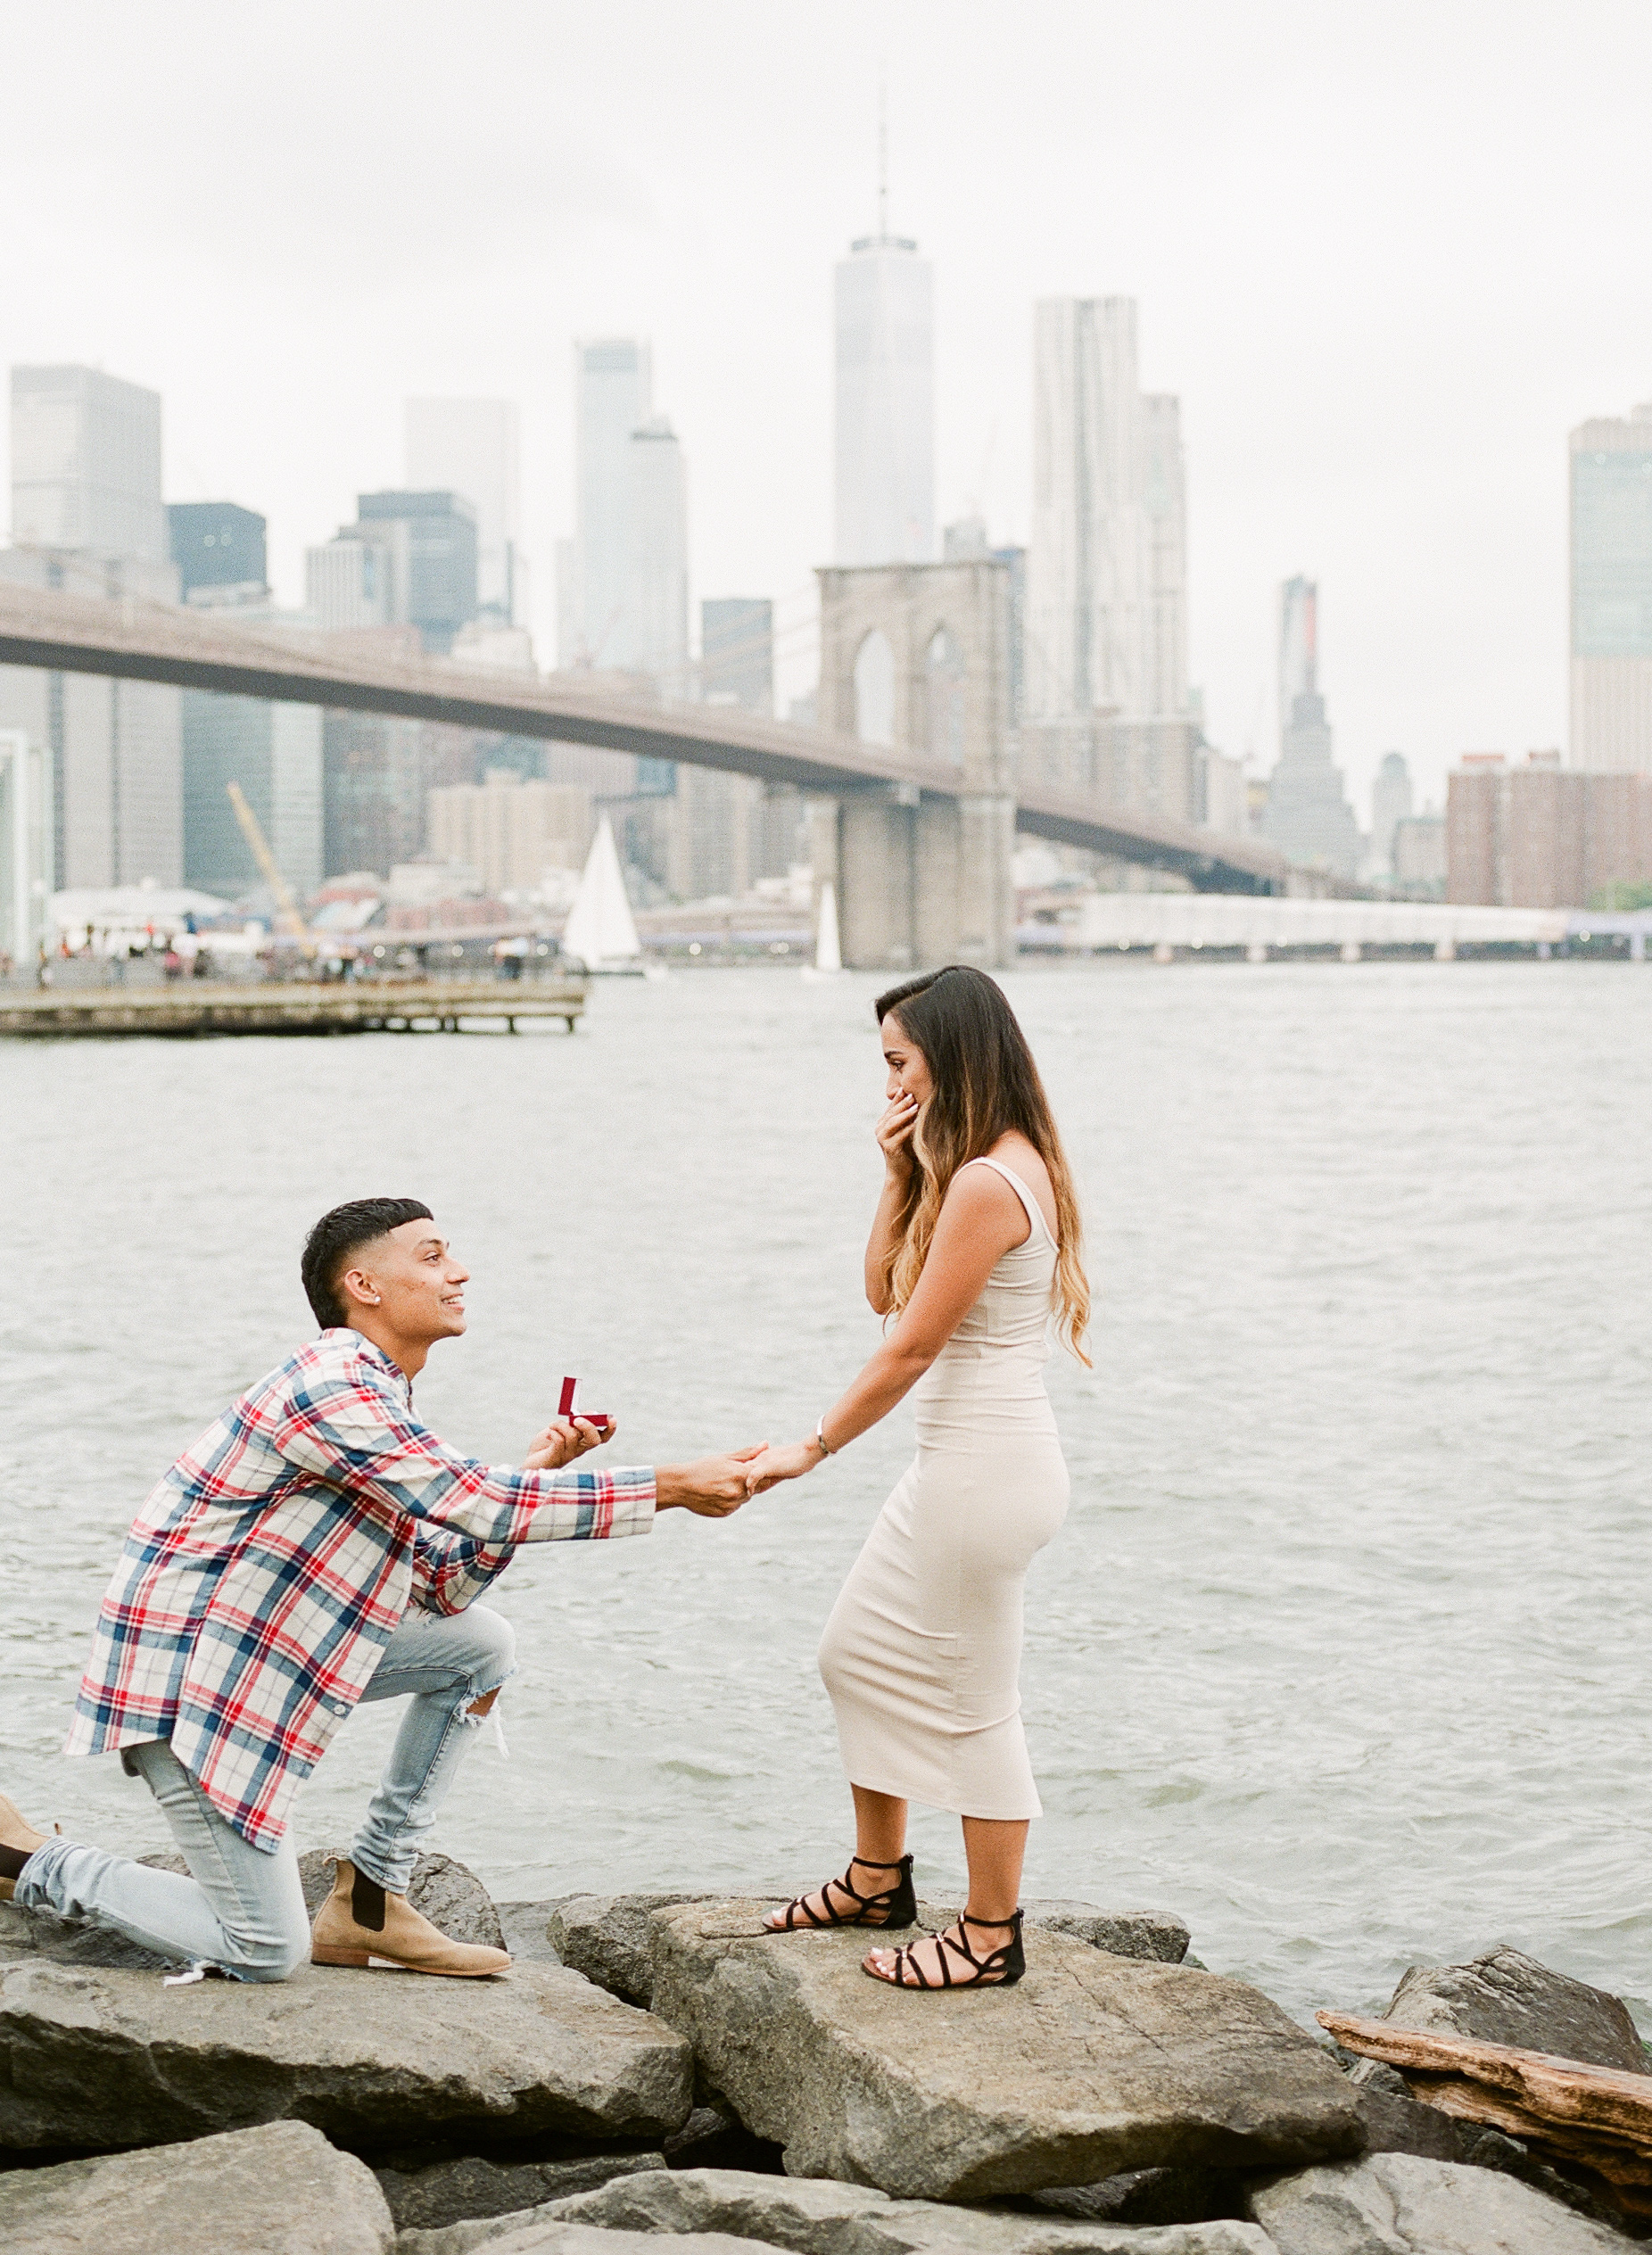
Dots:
{"x": 1024, "y": 1158}
{"x": 1014, "y": 1150}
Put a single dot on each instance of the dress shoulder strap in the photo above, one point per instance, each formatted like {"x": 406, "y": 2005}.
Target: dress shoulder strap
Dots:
{"x": 1034, "y": 1211}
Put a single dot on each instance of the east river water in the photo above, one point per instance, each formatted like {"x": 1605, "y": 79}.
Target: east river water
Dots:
{"x": 1342, "y": 1654}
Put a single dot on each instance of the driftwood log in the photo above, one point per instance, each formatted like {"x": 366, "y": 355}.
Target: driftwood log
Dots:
{"x": 1596, "y": 2119}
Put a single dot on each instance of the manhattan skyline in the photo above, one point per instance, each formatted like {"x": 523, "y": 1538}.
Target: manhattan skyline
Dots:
{"x": 1382, "y": 267}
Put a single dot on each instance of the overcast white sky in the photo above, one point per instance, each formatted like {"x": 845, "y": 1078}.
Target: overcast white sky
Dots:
{"x": 1387, "y": 254}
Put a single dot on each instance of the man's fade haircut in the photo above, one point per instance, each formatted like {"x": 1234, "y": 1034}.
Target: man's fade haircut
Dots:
{"x": 338, "y": 1236}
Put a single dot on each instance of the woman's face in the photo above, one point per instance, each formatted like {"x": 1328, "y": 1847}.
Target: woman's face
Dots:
{"x": 909, "y": 1067}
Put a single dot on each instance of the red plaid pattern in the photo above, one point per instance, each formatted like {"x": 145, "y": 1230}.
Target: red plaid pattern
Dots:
{"x": 264, "y": 1575}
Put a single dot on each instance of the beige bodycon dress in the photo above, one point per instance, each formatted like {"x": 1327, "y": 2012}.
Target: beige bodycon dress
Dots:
{"x": 922, "y": 1653}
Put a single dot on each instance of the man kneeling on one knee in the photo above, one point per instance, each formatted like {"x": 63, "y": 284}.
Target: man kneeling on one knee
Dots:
{"x": 317, "y": 1546}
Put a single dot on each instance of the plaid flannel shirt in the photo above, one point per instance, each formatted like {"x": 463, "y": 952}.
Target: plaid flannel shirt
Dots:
{"x": 262, "y": 1579}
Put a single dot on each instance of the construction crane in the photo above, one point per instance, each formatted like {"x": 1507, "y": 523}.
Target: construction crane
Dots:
{"x": 269, "y": 868}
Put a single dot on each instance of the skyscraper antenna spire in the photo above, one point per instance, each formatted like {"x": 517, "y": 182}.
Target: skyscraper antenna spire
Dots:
{"x": 883, "y": 159}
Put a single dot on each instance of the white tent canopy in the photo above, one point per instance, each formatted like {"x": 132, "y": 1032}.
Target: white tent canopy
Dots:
{"x": 134, "y": 908}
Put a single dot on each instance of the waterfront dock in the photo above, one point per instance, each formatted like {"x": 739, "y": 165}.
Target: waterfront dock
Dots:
{"x": 188, "y": 1008}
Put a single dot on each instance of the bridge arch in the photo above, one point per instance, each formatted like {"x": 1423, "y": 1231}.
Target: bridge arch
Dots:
{"x": 946, "y": 628}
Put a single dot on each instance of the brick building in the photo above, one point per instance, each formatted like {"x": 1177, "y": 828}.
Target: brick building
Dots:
{"x": 1542, "y": 836}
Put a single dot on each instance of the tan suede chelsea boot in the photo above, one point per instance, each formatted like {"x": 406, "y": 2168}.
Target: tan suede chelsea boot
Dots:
{"x": 359, "y": 1924}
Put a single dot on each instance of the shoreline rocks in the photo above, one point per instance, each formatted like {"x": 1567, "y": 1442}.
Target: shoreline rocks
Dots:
{"x": 103, "y": 2057}
{"x": 1118, "y": 2101}
{"x": 1092, "y": 2065}
{"x": 815, "y": 2215}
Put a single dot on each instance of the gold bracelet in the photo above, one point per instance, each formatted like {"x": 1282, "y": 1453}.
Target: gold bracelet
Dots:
{"x": 820, "y": 1436}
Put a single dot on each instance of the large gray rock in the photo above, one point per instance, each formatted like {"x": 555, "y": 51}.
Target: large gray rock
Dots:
{"x": 109, "y": 2058}
{"x": 1397, "y": 2204}
{"x": 609, "y": 1938}
{"x": 814, "y": 2216}
{"x": 450, "y": 2192}
{"x": 282, "y": 2190}
{"x": 1506, "y": 1997}
{"x": 1091, "y": 2065}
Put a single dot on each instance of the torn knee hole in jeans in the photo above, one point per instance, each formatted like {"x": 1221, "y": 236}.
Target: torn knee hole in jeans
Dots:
{"x": 474, "y": 1716}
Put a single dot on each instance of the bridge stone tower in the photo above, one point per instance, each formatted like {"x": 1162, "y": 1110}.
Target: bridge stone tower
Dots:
{"x": 915, "y": 658}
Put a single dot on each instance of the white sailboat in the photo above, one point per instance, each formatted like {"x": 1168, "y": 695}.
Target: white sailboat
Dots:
{"x": 601, "y": 932}
{"x": 828, "y": 949}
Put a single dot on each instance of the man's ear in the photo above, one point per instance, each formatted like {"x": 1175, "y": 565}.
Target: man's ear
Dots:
{"x": 356, "y": 1286}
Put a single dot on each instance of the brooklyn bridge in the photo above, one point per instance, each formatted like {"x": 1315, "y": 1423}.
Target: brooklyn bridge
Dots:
{"x": 917, "y": 841}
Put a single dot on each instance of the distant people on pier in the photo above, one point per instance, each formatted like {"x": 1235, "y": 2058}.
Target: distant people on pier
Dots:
{"x": 974, "y": 1248}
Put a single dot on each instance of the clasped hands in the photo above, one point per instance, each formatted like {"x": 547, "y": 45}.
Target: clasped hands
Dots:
{"x": 713, "y": 1488}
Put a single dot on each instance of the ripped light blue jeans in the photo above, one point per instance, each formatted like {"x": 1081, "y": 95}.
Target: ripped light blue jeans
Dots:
{"x": 242, "y": 1909}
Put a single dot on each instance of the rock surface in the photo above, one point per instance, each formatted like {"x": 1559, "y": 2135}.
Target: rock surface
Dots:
{"x": 451, "y": 2192}
{"x": 1396, "y": 2204}
{"x": 1122, "y": 1933}
{"x": 1506, "y": 1997}
{"x": 103, "y": 2057}
{"x": 1395, "y": 2122}
{"x": 525, "y": 1928}
{"x": 1092, "y": 2065}
{"x": 814, "y": 2216}
{"x": 538, "y": 2234}
{"x": 609, "y": 1938}
{"x": 281, "y": 2190}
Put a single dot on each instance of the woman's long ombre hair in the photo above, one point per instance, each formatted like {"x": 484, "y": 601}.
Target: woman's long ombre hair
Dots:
{"x": 985, "y": 1086}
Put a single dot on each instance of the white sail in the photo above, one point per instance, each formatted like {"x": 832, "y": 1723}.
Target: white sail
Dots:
{"x": 828, "y": 953}
{"x": 599, "y": 930}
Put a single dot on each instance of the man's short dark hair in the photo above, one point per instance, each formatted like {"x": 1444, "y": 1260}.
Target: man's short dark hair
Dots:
{"x": 336, "y": 1236}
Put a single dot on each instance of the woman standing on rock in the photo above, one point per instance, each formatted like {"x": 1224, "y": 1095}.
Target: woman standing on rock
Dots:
{"x": 973, "y": 1246}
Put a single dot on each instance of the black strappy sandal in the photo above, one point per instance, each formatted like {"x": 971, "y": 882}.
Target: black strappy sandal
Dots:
{"x": 1000, "y": 1968}
{"x": 899, "y": 1901}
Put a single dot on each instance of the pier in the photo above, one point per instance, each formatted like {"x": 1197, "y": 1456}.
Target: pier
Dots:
{"x": 189, "y": 1008}
{"x": 1175, "y": 926}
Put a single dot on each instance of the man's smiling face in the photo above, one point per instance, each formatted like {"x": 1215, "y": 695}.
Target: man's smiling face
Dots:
{"x": 411, "y": 1274}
